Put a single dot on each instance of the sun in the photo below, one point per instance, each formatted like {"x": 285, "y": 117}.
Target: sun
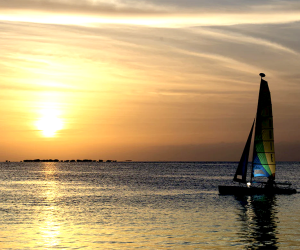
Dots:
{"x": 49, "y": 123}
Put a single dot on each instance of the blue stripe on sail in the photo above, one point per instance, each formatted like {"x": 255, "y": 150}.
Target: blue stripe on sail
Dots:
{"x": 258, "y": 167}
{"x": 260, "y": 171}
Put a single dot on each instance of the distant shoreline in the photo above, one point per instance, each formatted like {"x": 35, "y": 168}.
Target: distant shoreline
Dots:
{"x": 126, "y": 161}
{"x": 119, "y": 161}
{"x": 57, "y": 160}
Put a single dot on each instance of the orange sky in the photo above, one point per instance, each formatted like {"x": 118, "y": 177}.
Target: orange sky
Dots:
{"x": 148, "y": 80}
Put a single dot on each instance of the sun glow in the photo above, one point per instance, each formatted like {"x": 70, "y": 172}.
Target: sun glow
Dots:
{"x": 49, "y": 123}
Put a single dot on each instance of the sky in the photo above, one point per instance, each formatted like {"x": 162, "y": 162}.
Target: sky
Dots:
{"x": 152, "y": 80}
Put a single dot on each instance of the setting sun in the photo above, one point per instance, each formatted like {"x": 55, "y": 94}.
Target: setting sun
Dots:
{"x": 49, "y": 123}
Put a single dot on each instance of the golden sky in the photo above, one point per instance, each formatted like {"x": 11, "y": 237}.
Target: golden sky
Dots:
{"x": 145, "y": 80}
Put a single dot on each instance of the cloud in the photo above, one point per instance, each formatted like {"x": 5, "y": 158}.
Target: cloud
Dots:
{"x": 43, "y": 88}
{"x": 152, "y": 13}
{"x": 79, "y": 7}
{"x": 151, "y": 6}
{"x": 237, "y": 37}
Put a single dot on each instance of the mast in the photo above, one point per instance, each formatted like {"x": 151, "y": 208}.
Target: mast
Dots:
{"x": 263, "y": 161}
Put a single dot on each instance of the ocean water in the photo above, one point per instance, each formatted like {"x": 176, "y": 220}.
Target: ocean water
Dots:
{"x": 141, "y": 205}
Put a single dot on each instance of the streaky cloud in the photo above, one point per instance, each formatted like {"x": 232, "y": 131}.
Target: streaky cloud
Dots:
{"x": 79, "y": 7}
{"x": 151, "y": 13}
{"x": 225, "y": 61}
{"x": 42, "y": 88}
{"x": 236, "y": 37}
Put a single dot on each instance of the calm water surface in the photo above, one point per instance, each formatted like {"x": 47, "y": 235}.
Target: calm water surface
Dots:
{"x": 141, "y": 206}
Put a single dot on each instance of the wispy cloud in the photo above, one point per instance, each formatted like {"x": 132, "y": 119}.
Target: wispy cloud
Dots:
{"x": 83, "y": 7}
{"x": 163, "y": 13}
{"x": 235, "y": 37}
{"x": 44, "y": 88}
{"x": 152, "y": 6}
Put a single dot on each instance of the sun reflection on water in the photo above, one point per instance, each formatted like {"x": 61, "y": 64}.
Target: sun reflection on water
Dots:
{"x": 50, "y": 228}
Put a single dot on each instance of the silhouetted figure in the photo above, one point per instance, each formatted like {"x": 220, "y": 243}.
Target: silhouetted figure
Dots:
{"x": 270, "y": 183}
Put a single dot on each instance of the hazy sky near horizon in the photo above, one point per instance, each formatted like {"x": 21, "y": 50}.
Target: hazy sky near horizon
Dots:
{"x": 145, "y": 80}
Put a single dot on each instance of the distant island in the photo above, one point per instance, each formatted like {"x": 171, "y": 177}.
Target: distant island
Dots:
{"x": 57, "y": 160}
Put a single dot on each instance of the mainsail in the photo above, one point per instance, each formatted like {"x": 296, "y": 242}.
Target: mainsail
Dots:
{"x": 263, "y": 163}
{"x": 241, "y": 171}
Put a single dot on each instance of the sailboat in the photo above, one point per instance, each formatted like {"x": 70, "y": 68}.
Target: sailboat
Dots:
{"x": 263, "y": 160}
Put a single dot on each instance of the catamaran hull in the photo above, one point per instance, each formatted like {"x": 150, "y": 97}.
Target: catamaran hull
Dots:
{"x": 240, "y": 190}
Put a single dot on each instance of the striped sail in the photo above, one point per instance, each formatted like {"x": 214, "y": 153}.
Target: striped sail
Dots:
{"x": 263, "y": 152}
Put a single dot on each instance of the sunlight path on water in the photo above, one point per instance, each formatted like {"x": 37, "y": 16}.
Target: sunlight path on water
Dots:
{"x": 138, "y": 205}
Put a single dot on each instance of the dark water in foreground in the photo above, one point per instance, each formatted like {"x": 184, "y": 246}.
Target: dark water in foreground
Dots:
{"x": 141, "y": 206}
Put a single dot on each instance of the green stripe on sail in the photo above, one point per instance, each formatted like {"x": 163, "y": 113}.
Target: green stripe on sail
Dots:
{"x": 259, "y": 146}
{"x": 264, "y": 162}
{"x": 260, "y": 151}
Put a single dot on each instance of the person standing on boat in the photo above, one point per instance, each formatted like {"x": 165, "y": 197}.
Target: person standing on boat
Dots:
{"x": 270, "y": 183}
